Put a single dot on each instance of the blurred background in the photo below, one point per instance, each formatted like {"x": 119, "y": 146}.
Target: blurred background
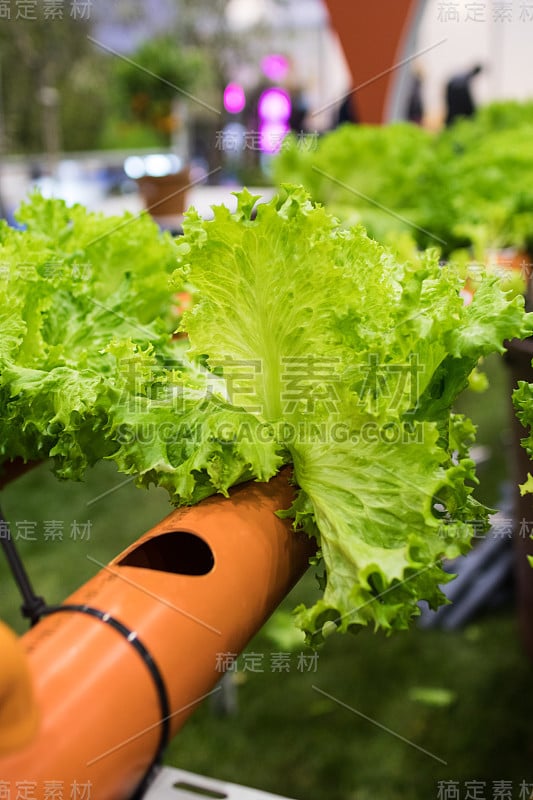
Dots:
{"x": 98, "y": 98}
{"x": 73, "y": 106}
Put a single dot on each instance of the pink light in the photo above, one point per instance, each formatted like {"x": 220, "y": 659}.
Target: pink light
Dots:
{"x": 274, "y": 105}
{"x": 271, "y": 135}
{"x": 275, "y": 67}
{"x": 234, "y": 98}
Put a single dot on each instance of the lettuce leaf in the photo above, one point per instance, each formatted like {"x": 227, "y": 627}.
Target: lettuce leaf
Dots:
{"x": 354, "y": 360}
{"x": 70, "y": 283}
{"x": 88, "y": 368}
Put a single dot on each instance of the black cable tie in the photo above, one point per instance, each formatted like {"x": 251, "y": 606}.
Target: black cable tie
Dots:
{"x": 159, "y": 682}
{"x": 33, "y": 605}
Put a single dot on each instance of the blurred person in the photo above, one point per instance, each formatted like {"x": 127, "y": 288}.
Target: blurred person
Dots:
{"x": 415, "y": 105}
{"x": 299, "y": 111}
{"x": 459, "y": 99}
{"x": 347, "y": 111}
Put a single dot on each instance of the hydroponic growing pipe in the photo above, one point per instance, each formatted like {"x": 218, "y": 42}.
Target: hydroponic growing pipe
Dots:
{"x": 118, "y": 669}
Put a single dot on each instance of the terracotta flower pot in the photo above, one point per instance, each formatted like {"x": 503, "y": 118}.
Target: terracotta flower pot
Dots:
{"x": 511, "y": 265}
{"x": 165, "y": 196}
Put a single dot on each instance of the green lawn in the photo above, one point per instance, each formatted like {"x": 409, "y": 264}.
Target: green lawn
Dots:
{"x": 291, "y": 738}
{"x": 106, "y": 507}
{"x": 360, "y": 727}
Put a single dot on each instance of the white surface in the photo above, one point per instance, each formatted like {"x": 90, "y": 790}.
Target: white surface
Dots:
{"x": 163, "y": 788}
{"x": 202, "y": 198}
{"x": 15, "y": 185}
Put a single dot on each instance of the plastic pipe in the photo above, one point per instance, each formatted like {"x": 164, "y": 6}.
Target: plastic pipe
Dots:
{"x": 18, "y": 709}
{"x": 198, "y": 585}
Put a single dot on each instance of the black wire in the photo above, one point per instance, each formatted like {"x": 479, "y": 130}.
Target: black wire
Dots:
{"x": 34, "y": 607}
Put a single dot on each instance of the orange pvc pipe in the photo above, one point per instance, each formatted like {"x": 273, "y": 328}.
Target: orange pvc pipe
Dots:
{"x": 18, "y": 709}
{"x": 98, "y": 702}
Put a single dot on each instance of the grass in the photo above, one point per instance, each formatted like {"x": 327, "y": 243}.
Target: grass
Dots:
{"x": 106, "y": 506}
{"x": 363, "y": 725}
{"x": 323, "y": 735}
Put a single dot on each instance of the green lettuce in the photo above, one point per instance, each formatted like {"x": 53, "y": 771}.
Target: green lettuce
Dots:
{"x": 353, "y": 360}
{"x": 70, "y": 283}
{"x": 306, "y": 344}
{"x": 88, "y": 366}
{"x": 373, "y": 175}
{"x": 466, "y": 186}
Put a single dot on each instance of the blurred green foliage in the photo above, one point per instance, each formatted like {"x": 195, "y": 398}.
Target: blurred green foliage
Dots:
{"x": 149, "y": 81}
{"x": 99, "y": 99}
{"x": 466, "y": 186}
{"x": 51, "y": 76}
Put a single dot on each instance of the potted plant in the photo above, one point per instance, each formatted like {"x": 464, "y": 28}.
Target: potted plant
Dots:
{"x": 155, "y": 84}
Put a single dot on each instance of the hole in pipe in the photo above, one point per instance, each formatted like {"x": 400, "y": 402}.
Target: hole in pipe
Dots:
{"x": 177, "y": 552}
